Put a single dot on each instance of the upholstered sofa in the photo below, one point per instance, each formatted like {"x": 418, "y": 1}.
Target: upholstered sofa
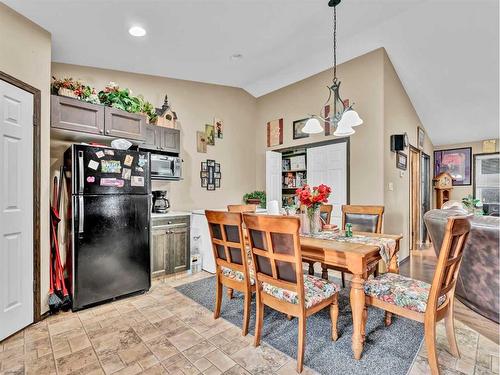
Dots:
{"x": 478, "y": 282}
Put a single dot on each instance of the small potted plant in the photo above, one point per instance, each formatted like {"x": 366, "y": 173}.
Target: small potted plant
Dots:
{"x": 255, "y": 197}
{"x": 470, "y": 203}
{"x": 74, "y": 89}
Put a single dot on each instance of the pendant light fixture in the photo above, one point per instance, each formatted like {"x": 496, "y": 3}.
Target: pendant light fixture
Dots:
{"x": 342, "y": 116}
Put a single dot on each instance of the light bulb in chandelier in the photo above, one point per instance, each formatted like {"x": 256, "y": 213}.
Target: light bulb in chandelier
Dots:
{"x": 344, "y": 129}
{"x": 352, "y": 118}
{"x": 312, "y": 126}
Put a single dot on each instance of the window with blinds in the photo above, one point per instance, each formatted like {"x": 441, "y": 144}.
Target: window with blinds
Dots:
{"x": 487, "y": 178}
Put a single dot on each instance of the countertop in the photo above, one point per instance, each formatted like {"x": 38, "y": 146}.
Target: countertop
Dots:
{"x": 170, "y": 214}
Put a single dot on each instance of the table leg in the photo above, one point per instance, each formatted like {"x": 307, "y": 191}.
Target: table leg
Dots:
{"x": 358, "y": 306}
{"x": 393, "y": 263}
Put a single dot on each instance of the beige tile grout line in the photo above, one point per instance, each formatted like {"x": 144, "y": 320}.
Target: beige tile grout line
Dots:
{"x": 91, "y": 344}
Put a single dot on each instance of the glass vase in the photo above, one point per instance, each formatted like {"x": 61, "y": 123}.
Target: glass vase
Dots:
{"x": 305, "y": 225}
{"x": 314, "y": 220}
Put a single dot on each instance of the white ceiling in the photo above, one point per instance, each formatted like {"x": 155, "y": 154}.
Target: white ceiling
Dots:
{"x": 446, "y": 52}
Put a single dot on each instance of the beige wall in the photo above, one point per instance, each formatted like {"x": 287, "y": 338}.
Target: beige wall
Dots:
{"x": 399, "y": 117}
{"x": 25, "y": 53}
{"x": 362, "y": 82}
{"x": 460, "y": 192}
{"x": 196, "y": 105}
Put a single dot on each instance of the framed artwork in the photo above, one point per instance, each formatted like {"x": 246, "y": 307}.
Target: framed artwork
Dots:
{"x": 401, "y": 160}
{"x": 210, "y": 134}
{"x": 457, "y": 162}
{"x": 297, "y": 129}
{"x": 420, "y": 138}
{"x": 201, "y": 142}
{"x": 326, "y": 111}
{"x": 219, "y": 128}
{"x": 210, "y": 174}
{"x": 275, "y": 133}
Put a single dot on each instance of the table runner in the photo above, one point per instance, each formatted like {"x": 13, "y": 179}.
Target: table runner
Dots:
{"x": 386, "y": 246}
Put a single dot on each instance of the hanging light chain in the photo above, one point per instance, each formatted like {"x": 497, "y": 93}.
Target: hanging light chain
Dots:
{"x": 334, "y": 44}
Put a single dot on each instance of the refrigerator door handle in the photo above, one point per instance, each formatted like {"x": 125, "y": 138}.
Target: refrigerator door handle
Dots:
{"x": 80, "y": 214}
{"x": 80, "y": 172}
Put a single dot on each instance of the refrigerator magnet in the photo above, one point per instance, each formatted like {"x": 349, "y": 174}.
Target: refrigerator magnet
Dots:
{"x": 142, "y": 161}
{"x": 111, "y": 166}
{"x": 109, "y": 152}
{"x": 93, "y": 165}
{"x": 139, "y": 169}
{"x": 99, "y": 154}
{"x": 137, "y": 181}
{"x": 90, "y": 179}
{"x": 128, "y": 160}
{"x": 126, "y": 172}
{"x": 113, "y": 182}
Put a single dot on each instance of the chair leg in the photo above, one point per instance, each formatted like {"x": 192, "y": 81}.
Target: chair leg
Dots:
{"x": 430, "y": 342}
{"x": 363, "y": 323}
{"x": 311, "y": 268}
{"x": 388, "y": 318}
{"x": 334, "y": 315}
{"x": 246, "y": 312}
{"x": 218, "y": 298}
{"x": 301, "y": 348}
{"x": 342, "y": 275}
{"x": 229, "y": 293}
{"x": 324, "y": 272}
{"x": 449, "y": 323}
{"x": 259, "y": 319}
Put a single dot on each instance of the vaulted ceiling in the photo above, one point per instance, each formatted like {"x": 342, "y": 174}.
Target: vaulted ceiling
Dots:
{"x": 445, "y": 52}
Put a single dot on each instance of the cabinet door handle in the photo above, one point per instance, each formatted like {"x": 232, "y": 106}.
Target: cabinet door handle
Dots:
{"x": 169, "y": 222}
{"x": 107, "y": 131}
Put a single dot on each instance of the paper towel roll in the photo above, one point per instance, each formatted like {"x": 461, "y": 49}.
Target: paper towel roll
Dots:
{"x": 273, "y": 208}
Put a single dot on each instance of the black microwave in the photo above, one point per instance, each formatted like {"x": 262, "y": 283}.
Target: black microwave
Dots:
{"x": 165, "y": 167}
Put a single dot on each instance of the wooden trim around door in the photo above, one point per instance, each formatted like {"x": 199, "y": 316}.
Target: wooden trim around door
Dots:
{"x": 36, "y": 186}
{"x": 415, "y": 198}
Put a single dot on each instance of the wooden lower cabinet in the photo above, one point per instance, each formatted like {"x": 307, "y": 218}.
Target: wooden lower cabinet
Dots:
{"x": 170, "y": 250}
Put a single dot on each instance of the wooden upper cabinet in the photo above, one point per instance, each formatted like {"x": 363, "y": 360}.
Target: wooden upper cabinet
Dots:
{"x": 169, "y": 139}
{"x": 123, "y": 124}
{"x": 76, "y": 115}
{"x": 150, "y": 137}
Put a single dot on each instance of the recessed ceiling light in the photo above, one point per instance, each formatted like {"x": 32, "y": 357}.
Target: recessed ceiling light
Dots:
{"x": 236, "y": 56}
{"x": 137, "y": 31}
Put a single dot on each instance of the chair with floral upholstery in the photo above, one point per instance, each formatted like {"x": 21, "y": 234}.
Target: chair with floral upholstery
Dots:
{"x": 280, "y": 282}
{"x": 231, "y": 260}
{"x": 426, "y": 303}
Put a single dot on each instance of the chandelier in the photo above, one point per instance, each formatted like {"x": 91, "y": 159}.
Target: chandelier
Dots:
{"x": 341, "y": 115}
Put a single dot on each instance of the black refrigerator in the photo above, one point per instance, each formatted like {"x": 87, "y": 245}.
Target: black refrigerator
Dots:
{"x": 109, "y": 210}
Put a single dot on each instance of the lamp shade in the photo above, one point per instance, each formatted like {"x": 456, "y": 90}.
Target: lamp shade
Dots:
{"x": 344, "y": 129}
{"x": 312, "y": 126}
{"x": 352, "y": 118}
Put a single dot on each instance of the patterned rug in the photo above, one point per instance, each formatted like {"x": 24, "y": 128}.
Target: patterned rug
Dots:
{"x": 387, "y": 350}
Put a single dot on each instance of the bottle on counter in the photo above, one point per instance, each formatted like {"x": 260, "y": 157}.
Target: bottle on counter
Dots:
{"x": 348, "y": 230}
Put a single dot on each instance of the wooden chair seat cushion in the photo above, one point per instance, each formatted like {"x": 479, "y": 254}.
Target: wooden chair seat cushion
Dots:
{"x": 401, "y": 291}
{"x": 315, "y": 291}
{"x": 237, "y": 275}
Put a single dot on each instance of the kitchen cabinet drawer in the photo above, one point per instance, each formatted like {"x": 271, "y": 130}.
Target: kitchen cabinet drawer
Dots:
{"x": 162, "y": 221}
{"x": 76, "y": 115}
{"x": 122, "y": 124}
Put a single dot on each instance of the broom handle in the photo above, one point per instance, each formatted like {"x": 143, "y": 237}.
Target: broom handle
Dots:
{"x": 58, "y": 261}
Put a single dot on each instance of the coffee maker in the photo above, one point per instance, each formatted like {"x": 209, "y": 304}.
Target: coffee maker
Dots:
{"x": 160, "y": 202}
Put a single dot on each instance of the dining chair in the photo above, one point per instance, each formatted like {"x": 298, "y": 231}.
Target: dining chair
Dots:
{"x": 420, "y": 301}
{"x": 281, "y": 283}
{"x": 362, "y": 219}
{"x": 232, "y": 269}
{"x": 241, "y": 207}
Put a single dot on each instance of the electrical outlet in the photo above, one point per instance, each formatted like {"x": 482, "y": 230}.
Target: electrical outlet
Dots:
{"x": 390, "y": 186}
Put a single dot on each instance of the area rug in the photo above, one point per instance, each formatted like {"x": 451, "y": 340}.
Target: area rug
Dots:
{"x": 387, "y": 350}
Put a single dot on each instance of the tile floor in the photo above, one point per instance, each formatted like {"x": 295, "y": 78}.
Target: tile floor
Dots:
{"x": 163, "y": 332}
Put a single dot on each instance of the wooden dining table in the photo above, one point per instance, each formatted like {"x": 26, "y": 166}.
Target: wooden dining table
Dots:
{"x": 354, "y": 258}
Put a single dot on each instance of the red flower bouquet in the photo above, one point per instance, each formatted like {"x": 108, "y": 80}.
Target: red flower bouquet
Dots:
{"x": 315, "y": 197}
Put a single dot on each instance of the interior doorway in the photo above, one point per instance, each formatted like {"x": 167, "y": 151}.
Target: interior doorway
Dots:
{"x": 20, "y": 111}
{"x": 415, "y": 198}
{"x": 425, "y": 193}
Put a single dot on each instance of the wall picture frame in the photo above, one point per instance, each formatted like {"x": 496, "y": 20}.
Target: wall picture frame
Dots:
{"x": 210, "y": 134}
{"x": 275, "y": 133}
{"x": 297, "y": 129}
{"x": 420, "y": 138}
{"x": 457, "y": 162}
{"x": 401, "y": 160}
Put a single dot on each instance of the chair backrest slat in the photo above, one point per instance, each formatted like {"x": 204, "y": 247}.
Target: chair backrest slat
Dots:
{"x": 363, "y": 218}
{"x": 275, "y": 245}
{"x": 227, "y": 240}
{"x": 242, "y": 208}
{"x": 450, "y": 257}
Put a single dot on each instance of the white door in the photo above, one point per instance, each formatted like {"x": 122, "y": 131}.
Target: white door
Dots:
{"x": 328, "y": 165}
{"x": 16, "y": 209}
{"x": 273, "y": 176}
